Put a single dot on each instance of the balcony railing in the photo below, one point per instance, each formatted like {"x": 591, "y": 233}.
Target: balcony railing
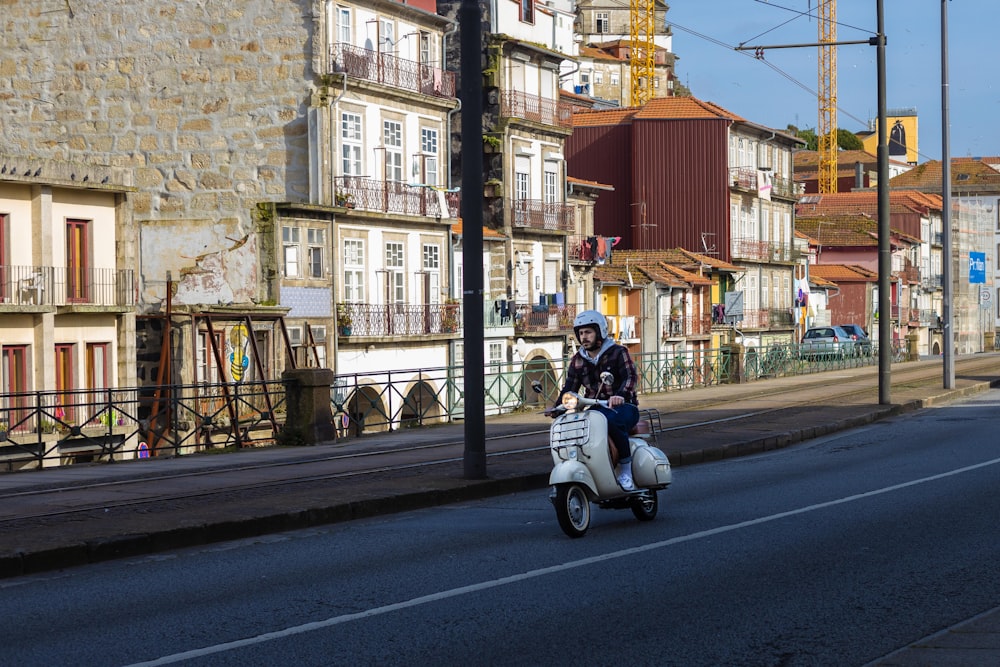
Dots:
{"x": 748, "y": 178}
{"x": 543, "y": 319}
{"x": 762, "y": 251}
{"x": 62, "y": 286}
{"x": 538, "y": 214}
{"x": 398, "y": 319}
{"x": 515, "y": 104}
{"x": 368, "y": 194}
{"x": 391, "y": 71}
{"x": 684, "y": 325}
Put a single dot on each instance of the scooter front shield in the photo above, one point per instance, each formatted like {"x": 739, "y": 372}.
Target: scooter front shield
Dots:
{"x": 574, "y": 472}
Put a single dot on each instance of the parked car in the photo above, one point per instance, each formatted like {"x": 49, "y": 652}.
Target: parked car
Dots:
{"x": 830, "y": 341}
{"x": 862, "y": 343}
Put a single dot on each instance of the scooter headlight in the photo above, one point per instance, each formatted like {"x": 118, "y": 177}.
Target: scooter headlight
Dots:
{"x": 569, "y": 401}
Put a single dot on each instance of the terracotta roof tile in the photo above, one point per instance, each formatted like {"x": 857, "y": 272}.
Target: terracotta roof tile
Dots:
{"x": 866, "y": 202}
{"x": 603, "y": 117}
{"x": 488, "y": 233}
{"x": 842, "y": 273}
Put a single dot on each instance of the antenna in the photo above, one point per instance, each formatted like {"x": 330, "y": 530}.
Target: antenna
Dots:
{"x": 709, "y": 250}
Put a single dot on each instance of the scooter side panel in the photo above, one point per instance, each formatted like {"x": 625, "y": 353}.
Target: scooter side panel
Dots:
{"x": 650, "y": 466}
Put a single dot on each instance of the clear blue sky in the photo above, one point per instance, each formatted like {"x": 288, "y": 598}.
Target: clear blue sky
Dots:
{"x": 773, "y": 93}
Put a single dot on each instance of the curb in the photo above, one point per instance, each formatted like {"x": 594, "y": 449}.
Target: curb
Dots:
{"x": 140, "y": 544}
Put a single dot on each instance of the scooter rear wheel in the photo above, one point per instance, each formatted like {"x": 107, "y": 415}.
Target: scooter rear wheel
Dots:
{"x": 572, "y": 509}
{"x": 645, "y": 505}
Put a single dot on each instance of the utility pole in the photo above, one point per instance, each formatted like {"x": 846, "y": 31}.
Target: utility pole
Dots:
{"x": 471, "y": 96}
{"x": 884, "y": 257}
{"x": 948, "y": 353}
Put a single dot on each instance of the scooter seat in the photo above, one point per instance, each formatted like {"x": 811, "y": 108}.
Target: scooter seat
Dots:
{"x": 642, "y": 428}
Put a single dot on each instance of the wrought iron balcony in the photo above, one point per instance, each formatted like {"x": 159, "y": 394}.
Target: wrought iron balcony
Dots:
{"x": 368, "y": 194}
{"x": 543, "y": 319}
{"x": 391, "y": 71}
{"x": 538, "y": 214}
{"x": 398, "y": 319}
{"x": 516, "y": 104}
{"x": 761, "y": 251}
{"x": 680, "y": 326}
{"x": 62, "y": 286}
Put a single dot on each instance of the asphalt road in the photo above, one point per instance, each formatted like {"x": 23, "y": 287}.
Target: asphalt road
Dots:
{"x": 833, "y": 552}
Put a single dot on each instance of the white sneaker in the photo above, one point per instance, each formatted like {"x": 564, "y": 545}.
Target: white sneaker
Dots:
{"x": 625, "y": 480}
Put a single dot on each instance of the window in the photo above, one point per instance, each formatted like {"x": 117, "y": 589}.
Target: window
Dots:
{"x": 527, "y": 11}
{"x": 97, "y": 368}
{"x": 207, "y": 371}
{"x": 598, "y": 77}
{"x": 615, "y": 79}
{"x": 603, "y": 23}
{"x": 429, "y": 150}
{"x": 386, "y": 33}
{"x": 395, "y": 287}
{"x": 14, "y": 380}
{"x": 432, "y": 273}
{"x": 290, "y": 244}
{"x": 551, "y": 187}
{"x": 521, "y": 190}
{"x": 426, "y": 53}
{"x": 65, "y": 382}
{"x": 77, "y": 261}
{"x": 351, "y": 146}
{"x": 392, "y": 140}
{"x": 354, "y": 271}
{"x": 4, "y": 277}
{"x": 316, "y": 239}
{"x": 343, "y": 25}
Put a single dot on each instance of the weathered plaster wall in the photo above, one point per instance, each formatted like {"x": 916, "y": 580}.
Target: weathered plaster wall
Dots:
{"x": 205, "y": 101}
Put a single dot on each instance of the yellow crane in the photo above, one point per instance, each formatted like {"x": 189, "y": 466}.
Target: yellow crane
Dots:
{"x": 827, "y": 129}
{"x": 642, "y": 23}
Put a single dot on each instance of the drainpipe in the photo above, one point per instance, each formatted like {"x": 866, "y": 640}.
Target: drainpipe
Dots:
{"x": 451, "y": 114}
{"x": 333, "y": 236}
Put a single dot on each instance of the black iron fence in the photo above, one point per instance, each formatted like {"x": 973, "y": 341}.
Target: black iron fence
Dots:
{"x": 51, "y": 428}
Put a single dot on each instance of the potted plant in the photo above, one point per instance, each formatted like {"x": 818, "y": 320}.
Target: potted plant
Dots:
{"x": 449, "y": 316}
{"x": 344, "y": 320}
{"x": 345, "y": 199}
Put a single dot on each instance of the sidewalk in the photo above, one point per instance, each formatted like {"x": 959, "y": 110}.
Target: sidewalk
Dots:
{"x": 353, "y": 479}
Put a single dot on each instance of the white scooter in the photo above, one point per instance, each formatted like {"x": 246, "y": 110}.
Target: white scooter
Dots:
{"x": 584, "y": 472}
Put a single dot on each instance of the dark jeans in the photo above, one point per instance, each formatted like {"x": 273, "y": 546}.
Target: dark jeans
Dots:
{"x": 620, "y": 422}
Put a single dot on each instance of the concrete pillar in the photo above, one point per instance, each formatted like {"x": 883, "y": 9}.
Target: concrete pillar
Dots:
{"x": 737, "y": 358}
{"x": 309, "y": 417}
{"x": 989, "y": 338}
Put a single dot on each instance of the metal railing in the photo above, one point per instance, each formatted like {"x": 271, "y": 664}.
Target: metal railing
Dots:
{"x": 44, "y": 428}
{"x": 516, "y": 104}
{"x": 65, "y": 286}
{"x": 538, "y": 214}
{"x": 368, "y": 194}
{"x": 537, "y": 319}
{"x": 391, "y": 70}
{"x": 397, "y": 319}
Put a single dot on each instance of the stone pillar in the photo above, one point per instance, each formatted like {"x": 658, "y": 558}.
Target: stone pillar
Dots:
{"x": 912, "y": 349}
{"x": 309, "y": 416}
{"x": 736, "y": 361}
{"x": 989, "y": 338}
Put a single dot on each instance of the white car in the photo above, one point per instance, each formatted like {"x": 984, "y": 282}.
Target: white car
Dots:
{"x": 830, "y": 341}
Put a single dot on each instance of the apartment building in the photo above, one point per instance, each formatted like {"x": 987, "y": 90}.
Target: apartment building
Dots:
{"x": 67, "y": 299}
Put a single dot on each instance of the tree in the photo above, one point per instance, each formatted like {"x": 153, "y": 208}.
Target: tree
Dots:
{"x": 846, "y": 140}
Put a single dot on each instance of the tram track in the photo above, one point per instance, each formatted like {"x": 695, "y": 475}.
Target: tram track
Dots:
{"x": 361, "y": 462}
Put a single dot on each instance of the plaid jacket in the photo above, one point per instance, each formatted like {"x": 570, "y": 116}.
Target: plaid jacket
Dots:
{"x": 583, "y": 373}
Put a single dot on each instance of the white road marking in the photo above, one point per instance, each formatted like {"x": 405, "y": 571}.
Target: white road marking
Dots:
{"x": 541, "y": 572}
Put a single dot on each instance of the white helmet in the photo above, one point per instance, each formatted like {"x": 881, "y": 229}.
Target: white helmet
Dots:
{"x": 591, "y": 318}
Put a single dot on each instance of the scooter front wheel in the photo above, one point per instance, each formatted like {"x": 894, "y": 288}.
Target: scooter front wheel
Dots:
{"x": 572, "y": 509}
{"x": 645, "y": 505}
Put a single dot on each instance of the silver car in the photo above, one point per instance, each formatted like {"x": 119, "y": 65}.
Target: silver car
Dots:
{"x": 830, "y": 341}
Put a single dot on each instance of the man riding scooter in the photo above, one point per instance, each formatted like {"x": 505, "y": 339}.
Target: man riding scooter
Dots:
{"x": 598, "y": 358}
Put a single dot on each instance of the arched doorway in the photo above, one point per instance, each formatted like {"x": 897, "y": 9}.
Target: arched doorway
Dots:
{"x": 420, "y": 405}
{"x": 366, "y": 412}
{"x": 539, "y": 368}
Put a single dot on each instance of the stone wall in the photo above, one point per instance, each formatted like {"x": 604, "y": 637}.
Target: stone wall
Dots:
{"x": 204, "y": 101}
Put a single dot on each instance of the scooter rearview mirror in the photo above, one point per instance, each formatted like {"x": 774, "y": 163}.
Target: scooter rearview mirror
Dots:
{"x": 607, "y": 378}
{"x": 536, "y": 386}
